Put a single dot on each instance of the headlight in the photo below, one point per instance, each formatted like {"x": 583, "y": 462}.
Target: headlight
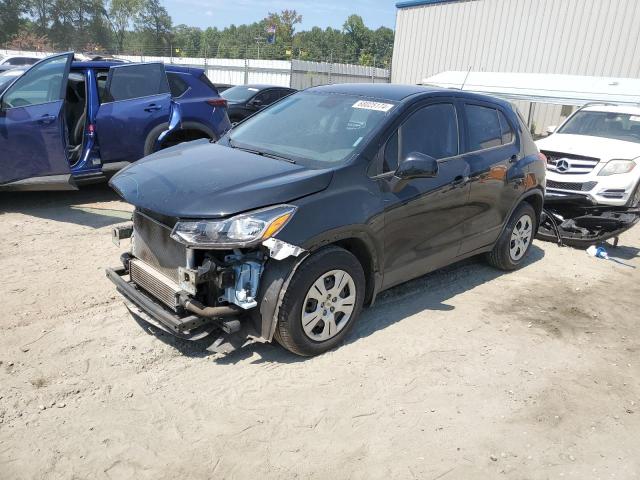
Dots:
{"x": 614, "y": 167}
{"x": 235, "y": 232}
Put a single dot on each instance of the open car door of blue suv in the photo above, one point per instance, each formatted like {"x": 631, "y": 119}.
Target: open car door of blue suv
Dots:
{"x": 32, "y": 146}
{"x": 135, "y": 100}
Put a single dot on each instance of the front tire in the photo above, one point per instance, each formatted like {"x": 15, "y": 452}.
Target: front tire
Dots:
{"x": 513, "y": 245}
{"x": 322, "y": 302}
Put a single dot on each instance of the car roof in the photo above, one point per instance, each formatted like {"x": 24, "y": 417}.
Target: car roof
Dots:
{"x": 626, "y": 109}
{"x": 399, "y": 92}
{"x": 263, "y": 86}
{"x": 105, "y": 64}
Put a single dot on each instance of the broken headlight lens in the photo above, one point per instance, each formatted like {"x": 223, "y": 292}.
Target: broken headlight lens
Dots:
{"x": 236, "y": 232}
{"x": 614, "y": 167}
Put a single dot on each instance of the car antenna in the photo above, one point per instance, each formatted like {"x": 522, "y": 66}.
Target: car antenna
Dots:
{"x": 465, "y": 78}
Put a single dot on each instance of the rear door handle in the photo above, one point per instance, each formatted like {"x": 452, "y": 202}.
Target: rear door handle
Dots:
{"x": 459, "y": 180}
{"x": 152, "y": 108}
{"x": 46, "y": 119}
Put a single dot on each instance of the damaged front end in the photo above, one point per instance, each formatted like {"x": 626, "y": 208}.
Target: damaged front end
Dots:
{"x": 577, "y": 221}
{"x": 195, "y": 278}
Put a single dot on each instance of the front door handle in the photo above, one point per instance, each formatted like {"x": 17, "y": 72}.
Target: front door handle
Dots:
{"x": 152, "y": 108}
{"x": 46, "y": 119}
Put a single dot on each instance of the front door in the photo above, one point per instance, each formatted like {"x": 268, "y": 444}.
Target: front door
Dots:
{"x": 424, "y": 220}
{"x": 134, "y": 100}
{"x": 32, "y": 138}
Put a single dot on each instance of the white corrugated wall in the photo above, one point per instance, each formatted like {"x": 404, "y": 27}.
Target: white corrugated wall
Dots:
{"x": 578, "y": 37}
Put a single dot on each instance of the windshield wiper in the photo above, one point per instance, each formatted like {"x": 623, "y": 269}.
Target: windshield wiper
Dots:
{"x": 262, "y": 153}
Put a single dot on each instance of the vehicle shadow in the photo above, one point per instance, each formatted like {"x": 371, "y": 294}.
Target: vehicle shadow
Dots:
{"x": 429, "y": 292}
{"x": 622, "y": 251}
{"x": 81, "y": 207}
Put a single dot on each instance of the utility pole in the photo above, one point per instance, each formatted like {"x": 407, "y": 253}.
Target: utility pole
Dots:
{"x": 258, "y": 41}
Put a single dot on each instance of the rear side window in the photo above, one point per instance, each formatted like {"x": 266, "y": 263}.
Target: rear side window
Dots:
{"x": 177, "y": 84}
{"x": 432, "y": 130}
{"x": 136, "y": 81}
{"x": 484, "y": 128}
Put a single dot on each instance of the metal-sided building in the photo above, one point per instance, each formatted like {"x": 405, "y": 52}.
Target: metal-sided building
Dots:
{"x": 576, "y": 37}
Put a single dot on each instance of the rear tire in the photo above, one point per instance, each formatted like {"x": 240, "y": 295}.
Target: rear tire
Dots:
{"x": 514, "y": 243}
{"x": 327, "y": 293}
{"x": 174, "y": 138}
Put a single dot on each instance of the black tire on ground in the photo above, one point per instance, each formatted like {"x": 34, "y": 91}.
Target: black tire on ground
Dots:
{"x": 505, "y": 254}
{"x": 634, "y": 199}
{"x": 290, "y": 332}
{"x": 150, "y": 143}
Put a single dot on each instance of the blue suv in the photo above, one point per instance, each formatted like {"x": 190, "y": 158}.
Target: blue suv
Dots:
{"x": 64, "y": 123}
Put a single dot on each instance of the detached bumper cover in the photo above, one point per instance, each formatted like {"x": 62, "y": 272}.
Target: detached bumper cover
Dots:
{"x": 577, "y": 220}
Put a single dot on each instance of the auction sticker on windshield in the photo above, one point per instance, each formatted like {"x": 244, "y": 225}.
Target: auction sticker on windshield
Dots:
{"x": 378, "y": 106}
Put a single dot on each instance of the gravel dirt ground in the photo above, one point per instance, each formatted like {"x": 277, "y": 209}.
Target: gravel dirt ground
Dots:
{"x": 466, "y": 373}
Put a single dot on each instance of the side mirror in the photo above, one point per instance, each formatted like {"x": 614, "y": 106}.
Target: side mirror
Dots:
{"x": 417, "y": 165}
{"x": 256, "y": 103}
{"x": 414, "y": 165}
{"x": 551, "y": 129}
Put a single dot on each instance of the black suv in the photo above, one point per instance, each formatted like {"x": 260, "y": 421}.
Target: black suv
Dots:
{"x": 300, "y": 215}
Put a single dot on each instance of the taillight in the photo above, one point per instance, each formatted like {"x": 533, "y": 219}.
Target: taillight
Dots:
{"x": 91, "y": 129}
{"x": 217, "y": 102}
{"x": 542, "y": 157}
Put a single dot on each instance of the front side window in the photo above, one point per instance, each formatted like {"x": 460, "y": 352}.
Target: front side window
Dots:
{"x": 41, "y": 84}
{"x": 618, "y": 126}
{"x": 315, "y": 129}
{"x": 432, "y": 130}
{"x": 268, "y": 97}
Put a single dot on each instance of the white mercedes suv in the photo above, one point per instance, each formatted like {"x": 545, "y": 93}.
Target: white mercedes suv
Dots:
{"x": 596, "y": 153}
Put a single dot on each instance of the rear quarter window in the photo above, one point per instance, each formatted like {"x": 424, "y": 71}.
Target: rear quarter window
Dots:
{"x": 177, "y": 84}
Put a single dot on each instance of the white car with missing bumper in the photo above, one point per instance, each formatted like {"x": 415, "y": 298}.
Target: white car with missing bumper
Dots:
{"x": 596, "y": 153}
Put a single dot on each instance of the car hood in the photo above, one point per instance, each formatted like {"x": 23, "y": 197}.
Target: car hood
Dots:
{"x": 203, "y": 180}
{"x": 597, "y": 147}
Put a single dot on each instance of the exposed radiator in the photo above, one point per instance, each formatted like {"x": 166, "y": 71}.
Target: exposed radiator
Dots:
{"x": 153, "y": 245}
{"x": 158, "y": 285}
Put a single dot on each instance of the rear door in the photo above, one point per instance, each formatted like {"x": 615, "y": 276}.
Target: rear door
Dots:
{"x": 32, "y": 140}
{"x": 134, "y": 99}
{"x": 492, "y": 150}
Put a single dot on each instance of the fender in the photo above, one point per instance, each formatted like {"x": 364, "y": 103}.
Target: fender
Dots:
{"x": 273, "y": 285}
{"x": 529, "y": 193}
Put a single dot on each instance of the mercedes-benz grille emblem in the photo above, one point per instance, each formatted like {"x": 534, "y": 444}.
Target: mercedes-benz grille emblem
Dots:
{"x": 562, "y": 165}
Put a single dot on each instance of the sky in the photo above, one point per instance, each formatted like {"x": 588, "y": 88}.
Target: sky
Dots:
{"x": 321, "y": 13}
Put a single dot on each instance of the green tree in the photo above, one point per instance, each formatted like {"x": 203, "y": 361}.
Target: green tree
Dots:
{"x": 120, "y": 15}
{"x": 11, "y": 20}
{"x": 155, "y": 25}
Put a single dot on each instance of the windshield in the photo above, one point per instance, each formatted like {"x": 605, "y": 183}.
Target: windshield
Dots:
{"x": 314, "y": 129}
{"x": 618, "y": 126}
{"x": 239, "y": 94}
